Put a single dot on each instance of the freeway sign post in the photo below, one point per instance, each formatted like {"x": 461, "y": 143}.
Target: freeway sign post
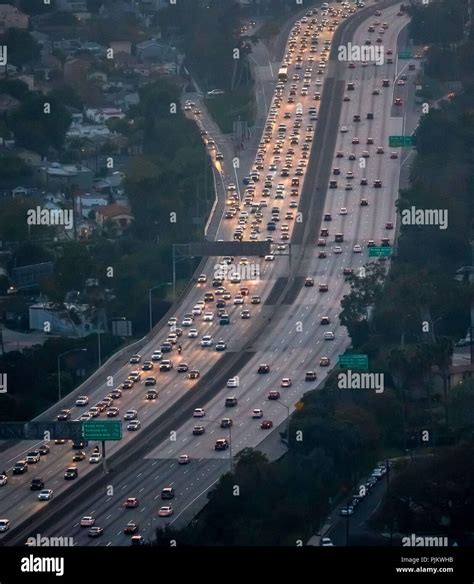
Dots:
{"x": 102, "y": 431}
{"x": 405, "y": 55}
{"x": 353, "y": 361}
{"x": 400, "y": 141}
{"x": 383, "y": 251}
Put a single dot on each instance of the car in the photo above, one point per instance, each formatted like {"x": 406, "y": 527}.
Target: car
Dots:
{"x": 326, "y": 542}
{"x": 157, "y": 356}
{"x": 221, "y": 346}
{"x": 45, "y": 495}
{"x": 266, "y": 425}
{"x": 324, "y": 362}
{"x": 135, "y": 359}
{"x": 64, "y": 415}
{"x": 95, "y": 458}
{"x": 325, "y": 320}
{"x": 130, "y": 528}
{"x": 199, "y": 413}
{"x": 257, "y": 413}
{"x": 193, "y": 374}
{"x": 20, "y": 467}
{"x": 255, "y": 299}
{"x": 167, "y": 493}
{"x": 245, "y": 314}
{"x": 193, "y": 333}
{"x": 343, "y": 211}
{"x": 263, "y": 368}
{"x": 221, "y": 444}
{"x": 135, "y": 376}
{"x": 208, "y": 316}
{"x": 112, "y": 412}
{"x": 133, "y": 426}
{"x": 329, "y": 336}
{"x": 309, "y": 282}
{"x": 310, "y": 376}
{"x": 4, "y": 525}
{"x": 43, "y": 449}
{"x": 323, "y": 287}
{"x": 346, "y": 510}
{"x": 233, "y": 382}
{"x": 207, "y": 341}
{"x": 147, "y": 366}
{"x": 285, "y": 382}
{"x": 165, "y": 511}
{"x": 184, "y": 459}
{"x": 79, "y": 456}
{"x": 71, "y": 473}
{"x": 60, "y": 441}
{"x": 82, "y": 400}
{"x": 357, "y": 248}
{"x": 273, "y": 395}
{"x": 377, "y": 184}
{"x": 337, "y": 249}
{"x": 398, "y": 101}
{"x": 198, "y": 430}
{"x": 130, "y": 415}
{"x": 166, "y": 365}
{"x": 202, "y": 279}
{"x": 226, "y": 423}
{"x": 343, "y": 129}
{"x": 347, "y": 271}
{"x": 230, "y": 402}
{"x": 87, "y": 521}
{"x": 33, "y": 457}
{"x": 151, "y": 394}
{"x": 36, "y": 484}
{"x": 182, "y": 368}
{"x": 95, "y": 531}
{"x": 131, "y": 503}
{"x": 364, "y": 203}
{"x": 389, "y": 225}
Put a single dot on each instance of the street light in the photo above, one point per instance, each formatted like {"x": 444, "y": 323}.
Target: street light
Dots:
{"x": 59, "y": 367}
{"x": 150, "y": 290}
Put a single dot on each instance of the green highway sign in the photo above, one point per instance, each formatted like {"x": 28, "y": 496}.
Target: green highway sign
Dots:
{"x": 400, "y": 141}
{"x": 353, "y": 361}
{"x": 405, "y": 55}
{"x": 380, "y": 252}
{"x": 102, "y": 430}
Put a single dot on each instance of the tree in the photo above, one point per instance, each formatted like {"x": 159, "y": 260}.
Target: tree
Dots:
{"x": 36, "y": 129}
{"x": 13, "y": 167}
{"x": 33, "y": 7}
{"x": 22, "y": 47}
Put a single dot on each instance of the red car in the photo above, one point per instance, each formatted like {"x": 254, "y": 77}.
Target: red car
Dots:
{"x": 266, "y": 425}
{"x": 389, "y": 225}
{"x": 131, "y": 503}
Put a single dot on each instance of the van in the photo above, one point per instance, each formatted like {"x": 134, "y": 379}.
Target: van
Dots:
{"x": 230, "y": 402}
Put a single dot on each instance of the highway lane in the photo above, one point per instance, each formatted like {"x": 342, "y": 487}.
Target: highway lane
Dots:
{"x": 215, "y": 408}
{"x": 19, "y": 502}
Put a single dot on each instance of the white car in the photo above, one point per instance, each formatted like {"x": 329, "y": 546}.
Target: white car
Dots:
{"x": 400, "y": 82}
{"x": 3, "y": 480}
{"x": 208, "y": 316}
{"x": 329, "y": 336}
{"x": 199, "y": 413}
{"x": 172, "y": 321}
{"x": 4, "y": 525}
{"x": 202, "y": 279}
{"x": 357, "y": 248}
{"x": 269, "y": 258}
{"x": 206, "y": 341}
{"x": 197, "y": 310}
{"x": 343, "y": 129}
{"x": 95, "y": 458}
{"x": 187, "y": 321}
{"x": 165, "y": 511}
{"x": 184, "y": 459}
{"x": 85, "y": 417}
{"x": 233, "y": 382}
{"x": 130, "y": 415}
{"x": 193, "y": 333}
{"x": 326, "y": 542}
{"x": 82, "y": 400}
{"x": 257, "y": 413}
{"x": 343, "y": 211}
{"x": 285, "y": 382}
{"x": 235, "y": 278}
{"x": 238, "y": 299}
{"x": 157, "y": 356}
{"x": 87, "y": 521}
{"x": 45, "y": 495}
{"x": 337, "y": 249}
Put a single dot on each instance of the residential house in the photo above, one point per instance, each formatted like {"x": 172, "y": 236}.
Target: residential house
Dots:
{"x": 153, "y": 49}
{"x": 121, "y": 47}
{"x": 119, "y": 215}
{"x": 101, "y": 115}
{"x": 64, "y": 176}
{"x": 11, "y": 17}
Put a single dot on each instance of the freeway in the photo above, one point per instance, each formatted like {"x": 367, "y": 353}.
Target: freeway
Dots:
{"x": 290, "y": 349}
